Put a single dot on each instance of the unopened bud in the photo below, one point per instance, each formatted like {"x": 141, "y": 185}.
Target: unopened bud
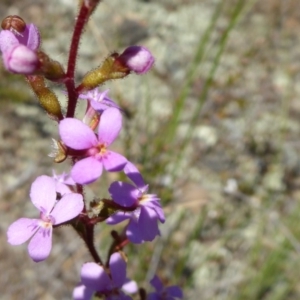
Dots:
{"x": 51, "y": 69}
{"x": 137, "y": 59}
{"x": 107, "y": 71}
{"x": 47, "y": 98}
{"x": 21, "y": 60}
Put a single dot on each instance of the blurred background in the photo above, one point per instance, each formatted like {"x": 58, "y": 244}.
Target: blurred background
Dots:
{"x": 214, "y": 129}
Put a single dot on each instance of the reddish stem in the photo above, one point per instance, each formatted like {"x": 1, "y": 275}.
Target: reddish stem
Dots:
{"x": 81, "y": 20}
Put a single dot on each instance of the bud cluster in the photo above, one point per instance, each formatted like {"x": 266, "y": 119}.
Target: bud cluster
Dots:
{"x": 60, "y": 199}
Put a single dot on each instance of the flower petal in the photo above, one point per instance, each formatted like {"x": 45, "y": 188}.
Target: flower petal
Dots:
{"x": 77, "y": 135}
{"x": 40, "y": 245}
{"x": 148, "y": 224}
{"x": 133, "y": 173}
{"x": 123, "y": 193}
{"x": 156, "y": 283}
{"x": 32, "y": 37}
{"x": 114, "y": 162}
{"x": 118, "y": 218}
{"x": 94, "y": 277}
{"x": 109, "y": 126}
{"x": 21, "y": 230}
{"x": 81, "y": 292}
{"x": 69, "y": 207}
{"x": 117, "y": 267}
{"x": 43, "y": 193}
{"x": 134, "y": 232}
{"x": 130, "y": 286}
{"x": 87, "y": 170}
{"x": 7, "y": 40}
{"x": 174, "y": 291}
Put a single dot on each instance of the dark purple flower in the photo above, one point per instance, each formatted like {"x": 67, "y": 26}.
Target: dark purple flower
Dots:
{"x": 143, "y": 221}
{"x": 77, "y": 135}
{"x": 164, "y": 293}
{"x": 52, "y": 212}
{"x": 94, "y": 279}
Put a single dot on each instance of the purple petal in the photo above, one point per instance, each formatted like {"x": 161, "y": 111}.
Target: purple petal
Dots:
{"x": 40, "y": 245}
{"x": 32, "y": 37}
{"x": 81, "y": 292}
{"x": 157, "y": 208}
{"x": 87, "y": 170}
{"x": 134, "y": 232}
{"x": 109, "y": 126}
{"x": 133, "y": 173}
{"x": 69, "y": 207}
{"x": 148, "y": 224}
{"x": 123, "y": 193}
{"x": 43, "y": 193}
{"x": 94, "y": 277}
{"x": 174, "y": 291}
{"x": 153, "y": 296}
{"x": 118, "y": 218}
{"x": 77, "y": 135}
{"x": 7, "y": 40}
{"x": 130, "y": 286}
{"x": 117, "y": 267}
{"x": 156, "y": 283}
{"x": 114, "y": 162}
{"x": 22, "y": 230}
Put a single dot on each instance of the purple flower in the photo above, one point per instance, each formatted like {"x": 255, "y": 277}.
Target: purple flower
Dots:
{"x": 52, "y": 212}
{"x": 169, "y": 293}
{"x": 99, "y": 100}
{"x": 137, "y": 59}
{"x": 143, "y": 221}
{"x": 94, "y": 279}
{"x": 77, "y": 135}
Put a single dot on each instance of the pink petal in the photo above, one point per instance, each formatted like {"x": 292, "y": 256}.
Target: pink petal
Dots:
{"x": 117, "y": 267}
{"x": 40, "y": 245}
{"x": 77, "y": 135}
{"x": 114, "y": 162}
{"x": 87, "y": 170}
{"x": 43, "y": 193}
{"x": 21, "y": 230}
{"x": 109, "y": 126}
{"x": 7, "y": 40}
{"x": 69, "y": 207}
{"x": 94, "y": 277}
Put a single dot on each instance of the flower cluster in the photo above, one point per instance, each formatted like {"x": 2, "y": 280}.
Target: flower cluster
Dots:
{"x": 86, "y": 141}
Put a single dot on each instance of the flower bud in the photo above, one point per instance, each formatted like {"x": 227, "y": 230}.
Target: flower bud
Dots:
{"x": 137, "y": 59}
{"x": 21, "y": 60}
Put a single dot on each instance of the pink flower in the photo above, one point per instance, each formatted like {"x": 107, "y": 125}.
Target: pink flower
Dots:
{"x": 52, "y": 212}
{"x": 77, "y": 135}
{"x": 19, "y": 50}
{"x": 21, "y": 60}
